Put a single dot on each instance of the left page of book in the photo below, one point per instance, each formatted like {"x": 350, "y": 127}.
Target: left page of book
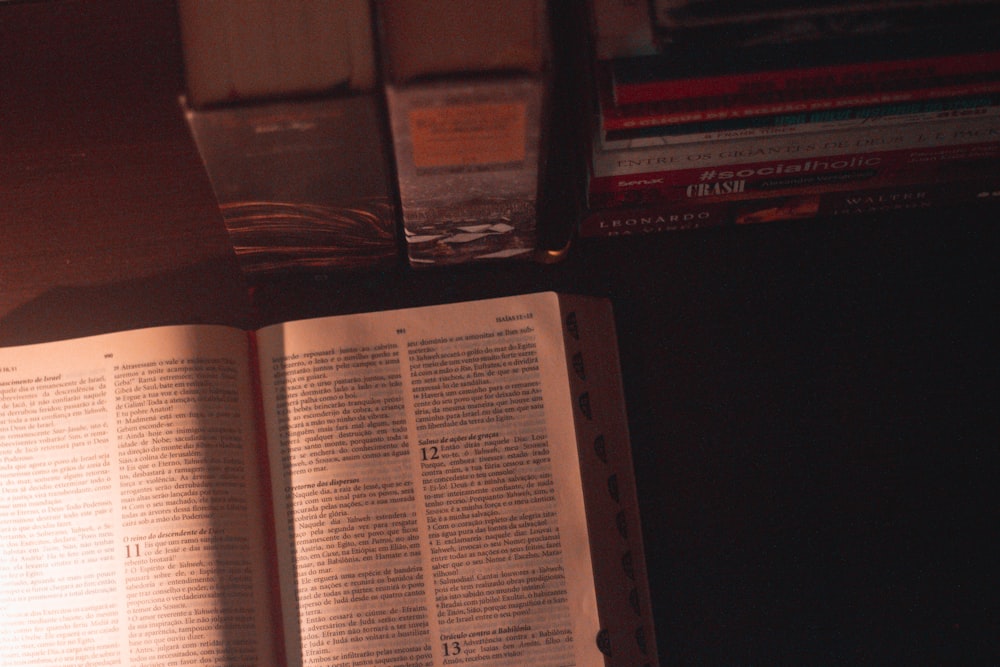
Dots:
{"x": 131, "y": 527}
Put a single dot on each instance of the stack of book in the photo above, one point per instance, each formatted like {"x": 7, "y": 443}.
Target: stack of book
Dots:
{"x": 709, "y": 113}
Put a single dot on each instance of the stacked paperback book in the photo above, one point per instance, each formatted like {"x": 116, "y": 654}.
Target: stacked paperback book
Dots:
{"x": 709, "y": 113}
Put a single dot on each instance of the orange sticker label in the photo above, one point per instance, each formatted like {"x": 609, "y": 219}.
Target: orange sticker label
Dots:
{"x": 468, "y": 134}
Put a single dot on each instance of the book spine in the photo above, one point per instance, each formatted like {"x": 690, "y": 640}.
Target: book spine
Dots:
{"x": 803, "y": 123}
{"x": 661, "y": 161}
{"x": 634, "y": 220}
{"x": 658, "y": 114}
{"x": 302, "y": 185}
{"x": 672, "y": 216}
{"x": 634, "y": 82}
{"x": 677, "y": 14}
{"x": 468, "y": 157}
{"x": 748, "y": 23}
{"x": 814, "y": 175}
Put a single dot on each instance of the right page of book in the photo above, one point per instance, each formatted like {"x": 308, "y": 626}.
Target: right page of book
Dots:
{"x": 427, "y": 486}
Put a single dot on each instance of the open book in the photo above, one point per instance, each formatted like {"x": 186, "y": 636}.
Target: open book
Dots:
{"x": 446, "y": 485}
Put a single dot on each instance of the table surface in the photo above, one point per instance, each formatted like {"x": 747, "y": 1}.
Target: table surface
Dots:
{"x": 106, "y": 215}
{"x": 812, "y": 404}
{"x": 814, "y": 426}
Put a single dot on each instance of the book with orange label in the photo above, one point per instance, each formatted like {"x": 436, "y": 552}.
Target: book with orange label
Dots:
{"x": 283, "y": 103}
{"x": 468, "y": 88}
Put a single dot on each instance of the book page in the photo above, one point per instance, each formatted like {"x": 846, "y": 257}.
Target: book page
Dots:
{"x": 428, "y": 502}
{"x": 130, "y": 522}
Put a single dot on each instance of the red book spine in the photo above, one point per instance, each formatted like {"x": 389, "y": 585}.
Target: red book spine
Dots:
{"x": 836, "y": 80}
{"x": 813, "y": 175}
{"x": 655, "y": 114}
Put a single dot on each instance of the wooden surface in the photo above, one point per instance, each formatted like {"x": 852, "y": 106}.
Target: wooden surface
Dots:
{"x": 107, "y": 219}
{"x": 814, "y": 426}
{"x": 813, "y": 405}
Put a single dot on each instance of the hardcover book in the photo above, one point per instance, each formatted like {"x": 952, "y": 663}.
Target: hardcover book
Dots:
{"x": 468, "y": 157}
{"x": 446, "y": 485}
{"x": 303, "y": 186}
{"x": 467, "y": 86}
{"x": 282, "y": 104}
{"x": 656, "y": 79}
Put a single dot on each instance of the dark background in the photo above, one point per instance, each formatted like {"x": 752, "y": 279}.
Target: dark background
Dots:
{"x": 813, "y": 409}
{"x": 813, "y": 405}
